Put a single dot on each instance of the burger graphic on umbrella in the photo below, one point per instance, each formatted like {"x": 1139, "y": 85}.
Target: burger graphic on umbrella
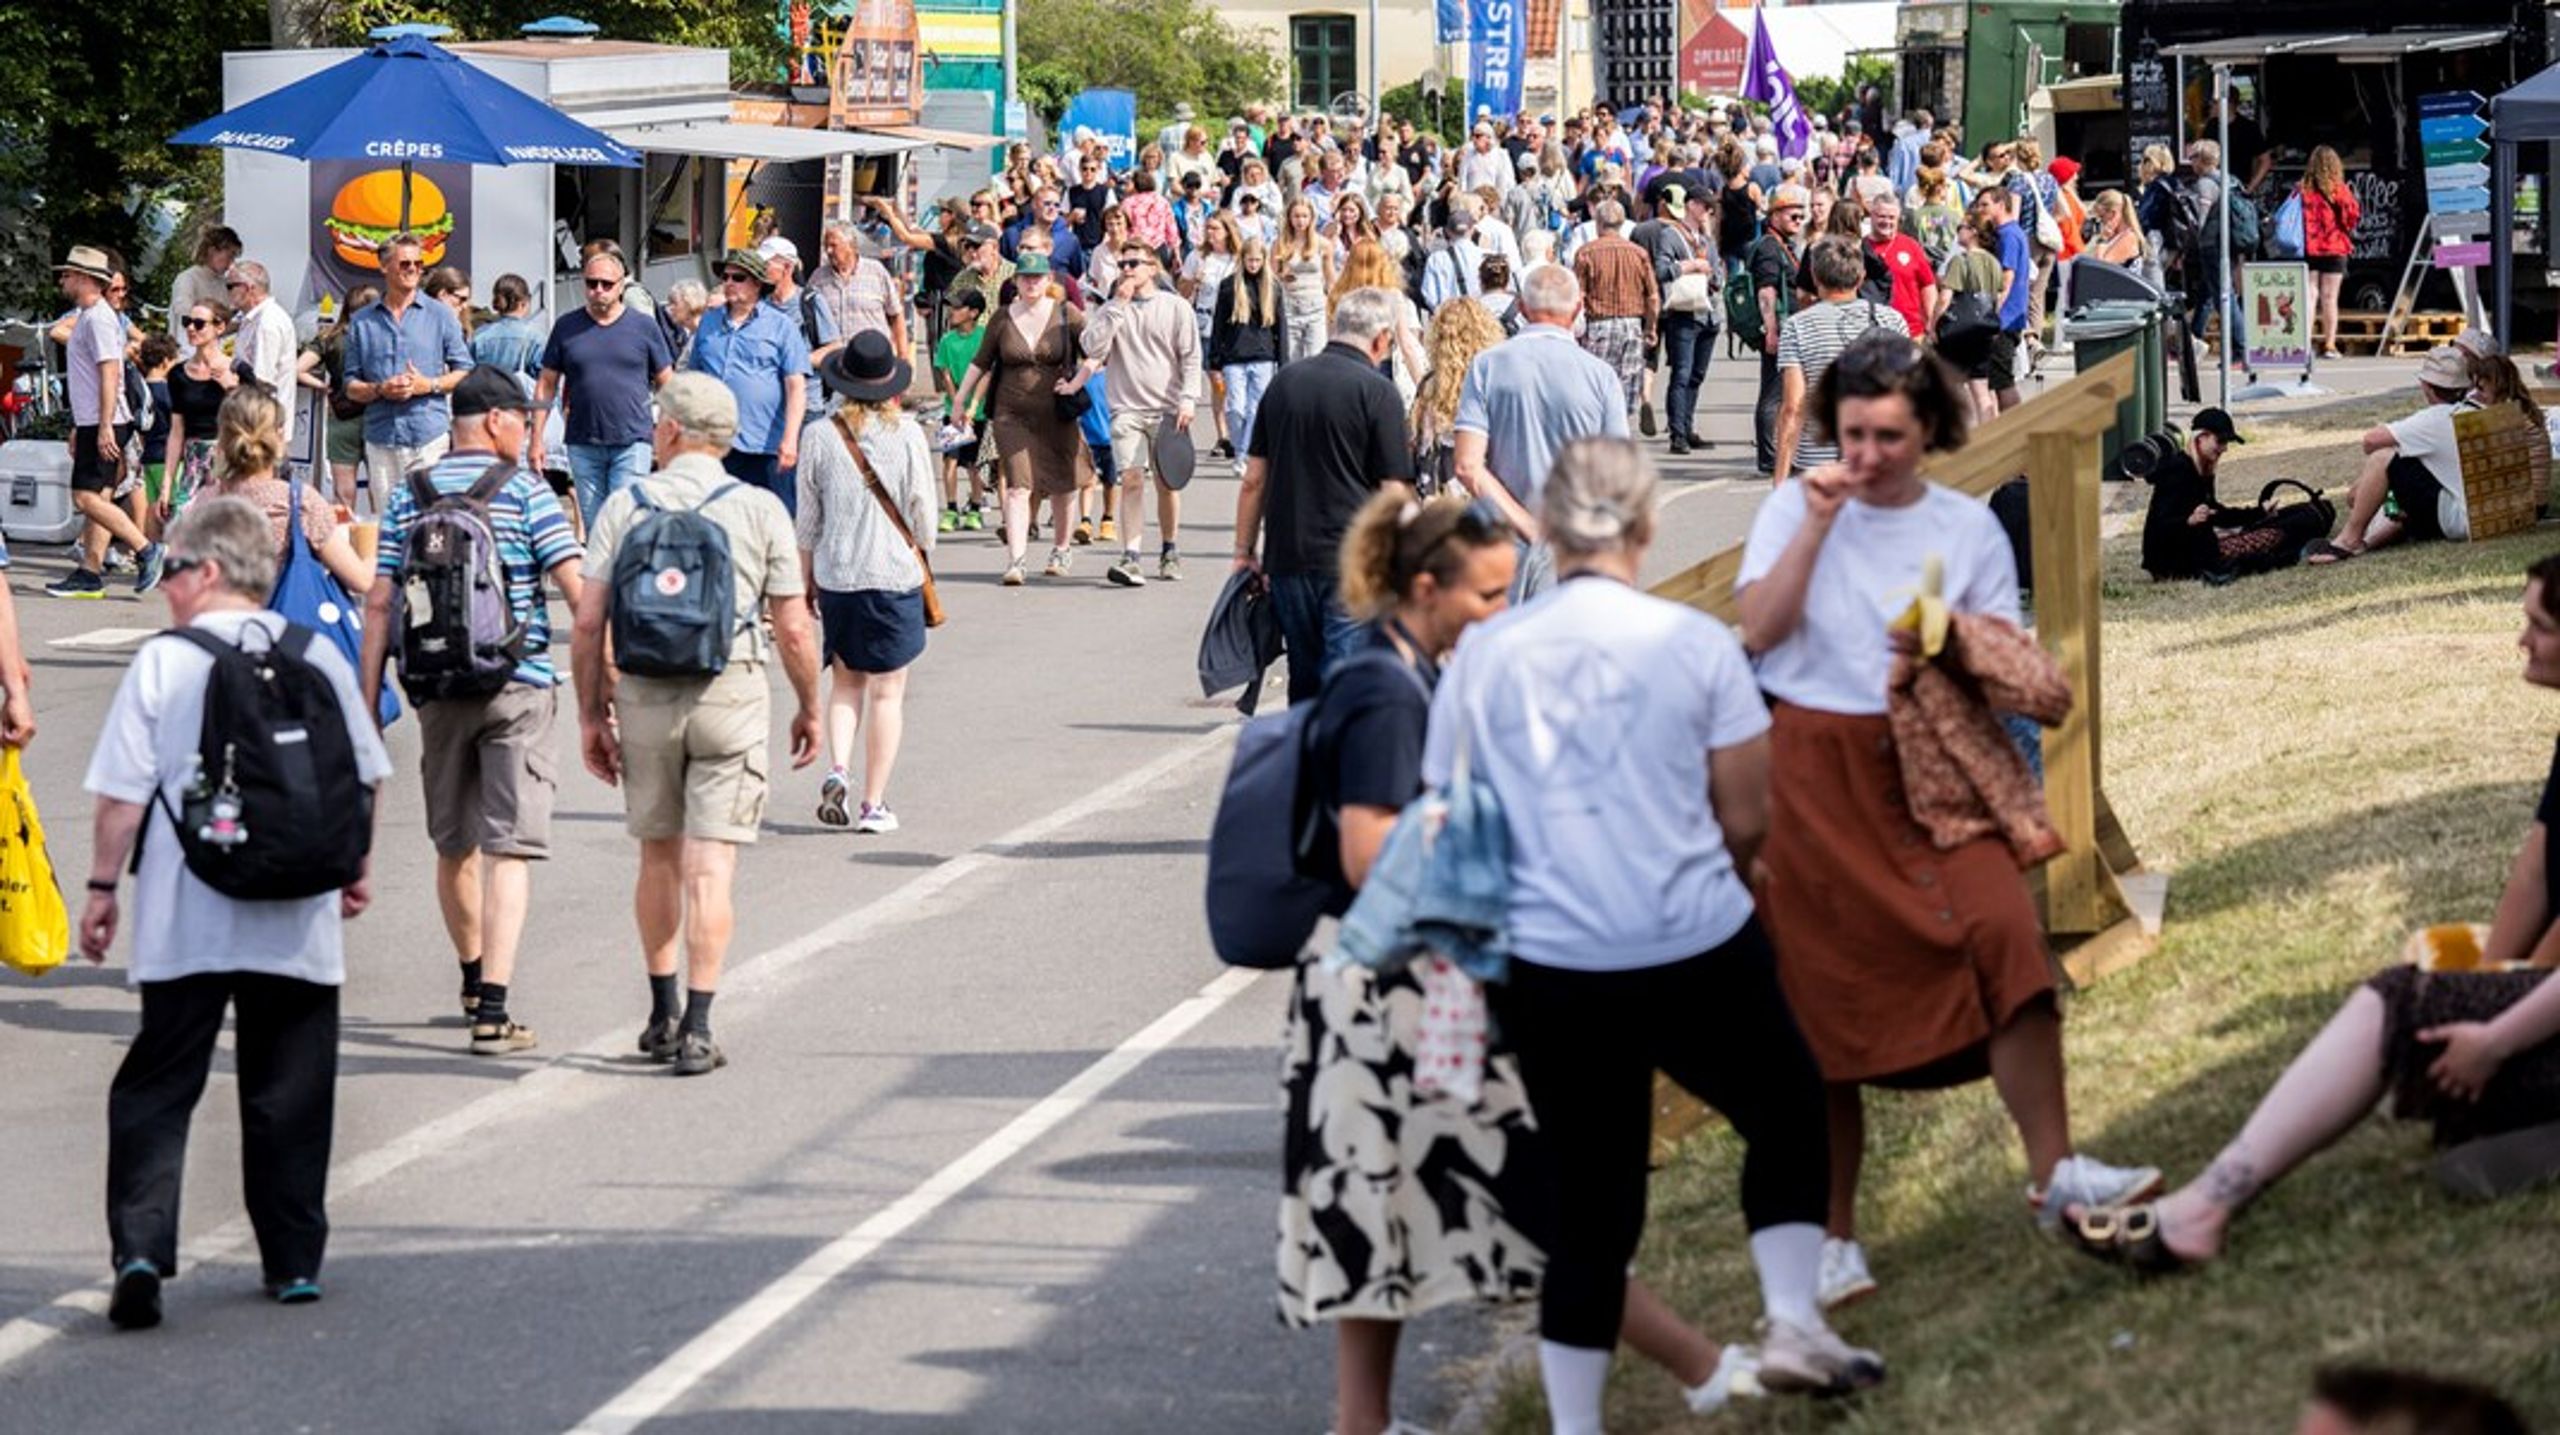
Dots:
{"x": 366, "y": 212}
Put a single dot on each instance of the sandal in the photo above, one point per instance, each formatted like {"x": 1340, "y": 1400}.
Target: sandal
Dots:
{"x": 2324, "y": 553}
{"x": 2126, "y": 1236}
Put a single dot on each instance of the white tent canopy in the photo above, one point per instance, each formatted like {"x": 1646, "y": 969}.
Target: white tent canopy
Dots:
{"x": 1816, "y": 41}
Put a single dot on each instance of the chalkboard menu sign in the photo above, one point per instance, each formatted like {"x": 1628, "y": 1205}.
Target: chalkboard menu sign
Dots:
{"x": 2150, "y": 104}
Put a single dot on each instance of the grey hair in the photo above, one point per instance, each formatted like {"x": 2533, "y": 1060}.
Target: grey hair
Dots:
{"x": 233, "y": 534}
{"x": 1608, "y": 214}
{"x": 1550, "y": 289}
{"x": 689, "y": 291}
{"x": 250, "y": 271}
{"x": 1363, "y": 314}
{"x": 1598, "y": 498}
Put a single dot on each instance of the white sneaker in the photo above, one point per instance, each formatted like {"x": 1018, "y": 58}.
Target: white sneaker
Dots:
{"x": 1737, "y": 1377}
{"x": 876, "y": 818}
{"x": 1815, "y": 1361}
{"x": 2088, "y": 1183}
{"x": 1844, "y": 1275}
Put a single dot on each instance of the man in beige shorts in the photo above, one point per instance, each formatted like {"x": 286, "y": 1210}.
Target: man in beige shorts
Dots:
{"x": 691, "y": 753}
{"x": 1145, "y": 341}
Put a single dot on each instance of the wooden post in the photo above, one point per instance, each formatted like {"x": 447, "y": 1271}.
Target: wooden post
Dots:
{"x": 2062, "y": 476}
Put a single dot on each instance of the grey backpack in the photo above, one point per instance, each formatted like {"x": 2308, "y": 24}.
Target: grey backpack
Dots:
{"x": 459, "y": 636}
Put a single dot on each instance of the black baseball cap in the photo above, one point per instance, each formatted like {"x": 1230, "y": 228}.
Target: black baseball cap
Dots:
{"x": 969, "y": 299}
{"x": 2218, "y": 424}
{"x": 488, "y": 388}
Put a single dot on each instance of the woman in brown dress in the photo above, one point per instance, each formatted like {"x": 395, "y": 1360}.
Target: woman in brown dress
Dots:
{"x": 1906, "y": 965}
{"x": 2473, "y": 1049}
{"x": 1028, "y": 360}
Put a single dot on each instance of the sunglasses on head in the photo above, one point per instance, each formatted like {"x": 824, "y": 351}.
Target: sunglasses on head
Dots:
{"x": 1878, "y": 358}
{"x": 1479, "y": 523}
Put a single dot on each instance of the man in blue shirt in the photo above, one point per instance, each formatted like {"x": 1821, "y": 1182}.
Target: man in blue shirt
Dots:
{"x": 486, "y": 762}
{"x": 403, "y": 357}
{"x": 1522, "y": 401}
{"x": 1067, "y": 256}
{"x": 609, "y": 358}
{"x": 2017, "y": 276}
{"x": 756, "y": 350}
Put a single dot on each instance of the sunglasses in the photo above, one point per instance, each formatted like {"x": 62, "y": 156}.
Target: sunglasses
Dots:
{"x": 736, "y": 276}
{"x": 598, "y": 285}
{"x": 177, "y": 564}
{"x": 192, "y": 322}
{"x": 408, "y": 265}
{"x": 237, "y": 284}
{"x": 1479, "y": 523}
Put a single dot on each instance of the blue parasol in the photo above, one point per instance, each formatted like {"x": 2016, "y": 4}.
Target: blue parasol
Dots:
{"x": 408, "y": 99}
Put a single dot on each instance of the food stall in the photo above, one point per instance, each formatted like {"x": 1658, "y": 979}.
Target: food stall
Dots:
{"x": 313, "y": 224}
{"x": 2306, "y": 74}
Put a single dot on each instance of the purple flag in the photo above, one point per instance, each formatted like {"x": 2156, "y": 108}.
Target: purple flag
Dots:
{"x": 1767, "y": 81}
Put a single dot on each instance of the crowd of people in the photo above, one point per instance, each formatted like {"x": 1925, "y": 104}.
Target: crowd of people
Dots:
{"x": 1433, "y": 371}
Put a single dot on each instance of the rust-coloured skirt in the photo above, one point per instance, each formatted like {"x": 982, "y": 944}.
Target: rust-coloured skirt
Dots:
{"x": 1900, "y": 960}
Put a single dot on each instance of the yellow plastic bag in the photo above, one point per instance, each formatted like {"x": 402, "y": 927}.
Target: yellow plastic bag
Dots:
{"x": 35, "y": 930}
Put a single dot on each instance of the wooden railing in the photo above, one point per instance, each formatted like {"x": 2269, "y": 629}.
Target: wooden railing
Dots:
{"x": 2100, "y": 909}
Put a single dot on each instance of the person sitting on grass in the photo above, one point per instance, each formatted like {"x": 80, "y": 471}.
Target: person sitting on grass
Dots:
{"x": 2412, "y": 464}
{"x": 2470, "y": 1050}
{"x": 2367, "y": 1400}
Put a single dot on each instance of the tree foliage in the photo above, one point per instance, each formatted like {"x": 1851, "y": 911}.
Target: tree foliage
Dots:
{"x": 1165, "y": 51}
{"x": 1828, "y": 95}
{"x": 1408, "y": 102}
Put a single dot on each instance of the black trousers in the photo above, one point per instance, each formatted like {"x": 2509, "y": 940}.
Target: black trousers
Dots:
{"x": 1588, "y": 1044}
{"x": 1764, "y": 414}
{"x": 287, "y": 1065}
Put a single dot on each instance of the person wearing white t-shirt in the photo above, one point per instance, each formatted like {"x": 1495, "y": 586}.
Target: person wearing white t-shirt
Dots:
{"x": 2414, "y": 461}
{"x": 101, "y": 422}
{"x": 1629, "y": 749}
{"x": 197, "y": 952}
{"x": 1902, "y": 962}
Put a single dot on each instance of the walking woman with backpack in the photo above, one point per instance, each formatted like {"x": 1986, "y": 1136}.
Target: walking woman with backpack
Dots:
{"x": 2330, "y": 215}
{"x": 1909, "y": 965}
{"x": 1628, "y": 747}
{"x": 866, "y": 526}
{"x": 1395, "y": 1202}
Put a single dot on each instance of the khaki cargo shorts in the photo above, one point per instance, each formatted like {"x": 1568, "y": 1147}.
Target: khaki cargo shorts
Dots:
{"x": 694, "y": 754}
{"x": 489, "y": 771}
{"x": 1133, "y": 444}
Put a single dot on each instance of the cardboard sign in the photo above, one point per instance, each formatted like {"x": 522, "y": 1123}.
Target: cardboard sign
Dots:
{"x": 2498, "y": 490}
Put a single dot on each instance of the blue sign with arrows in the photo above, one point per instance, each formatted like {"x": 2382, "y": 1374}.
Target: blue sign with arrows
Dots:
{"x": 2443, "y": 129}
{"x": 2450, "y": 102}
{"x": 2450, "y": 201}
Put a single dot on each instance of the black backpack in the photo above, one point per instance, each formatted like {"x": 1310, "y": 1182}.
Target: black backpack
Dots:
{"x": 276, "y": 810}
{"x": 674, "y": 591}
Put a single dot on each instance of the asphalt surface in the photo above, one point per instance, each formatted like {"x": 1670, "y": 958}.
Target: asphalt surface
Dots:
{"x": 997, "y": 1148}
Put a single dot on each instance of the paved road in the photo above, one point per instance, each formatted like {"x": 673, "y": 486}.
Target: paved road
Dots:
{"x": 996, "y": 1151}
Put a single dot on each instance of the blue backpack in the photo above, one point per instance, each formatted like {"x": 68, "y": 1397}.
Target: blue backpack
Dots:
{"x": 1262, "y": 904}
{"x": 674, "y": 591}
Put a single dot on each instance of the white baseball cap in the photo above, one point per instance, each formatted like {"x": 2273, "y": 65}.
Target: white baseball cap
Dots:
{"x": 775, "y": 244}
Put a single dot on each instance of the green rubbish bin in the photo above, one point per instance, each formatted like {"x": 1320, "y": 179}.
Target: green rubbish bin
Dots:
{"x": 2100, "y": 331}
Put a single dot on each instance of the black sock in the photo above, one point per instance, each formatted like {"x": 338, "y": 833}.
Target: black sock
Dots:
{"x": 662, "y": 998}
{"x": 471, "y": 977}
{"x": 493, "y": 1004}
{"x": 697, "y": 1010}
{"x": 1169, "y": 551}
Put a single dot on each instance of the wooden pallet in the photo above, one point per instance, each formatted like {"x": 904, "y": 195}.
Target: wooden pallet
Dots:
{"x": 2360, "y": 332}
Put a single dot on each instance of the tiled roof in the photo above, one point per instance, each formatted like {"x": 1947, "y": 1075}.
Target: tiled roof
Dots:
{"x": 1544, "y": 17}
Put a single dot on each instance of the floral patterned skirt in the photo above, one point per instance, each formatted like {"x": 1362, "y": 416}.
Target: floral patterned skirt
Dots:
{"x": 1394, "y": 1203}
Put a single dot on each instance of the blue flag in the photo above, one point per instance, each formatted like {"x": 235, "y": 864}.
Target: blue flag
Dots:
{"x": 1767, "y": 81}
{"x": 1449, "y": 21}
{"x": 1496, "y": 54}
{"x": 1112, "y": 116}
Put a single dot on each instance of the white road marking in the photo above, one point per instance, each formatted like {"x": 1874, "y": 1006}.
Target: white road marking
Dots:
{"x": 561, "y": 1076}
{"x": 649, "y": 1396}
{"x": 105, "y": 640}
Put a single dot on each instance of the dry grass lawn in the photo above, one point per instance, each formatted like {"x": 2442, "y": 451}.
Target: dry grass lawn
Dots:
{"x": 2323, "y": 759}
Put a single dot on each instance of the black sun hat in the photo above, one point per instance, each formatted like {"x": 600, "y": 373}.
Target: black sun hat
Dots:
{"x": 867, "y": 369}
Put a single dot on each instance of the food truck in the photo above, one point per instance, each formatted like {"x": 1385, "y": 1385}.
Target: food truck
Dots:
{"x": 2352, "y": 76}
{"x": 313, "y": 224}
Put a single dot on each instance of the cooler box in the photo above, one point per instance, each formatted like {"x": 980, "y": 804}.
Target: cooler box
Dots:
{"x": 35, "y": 491}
